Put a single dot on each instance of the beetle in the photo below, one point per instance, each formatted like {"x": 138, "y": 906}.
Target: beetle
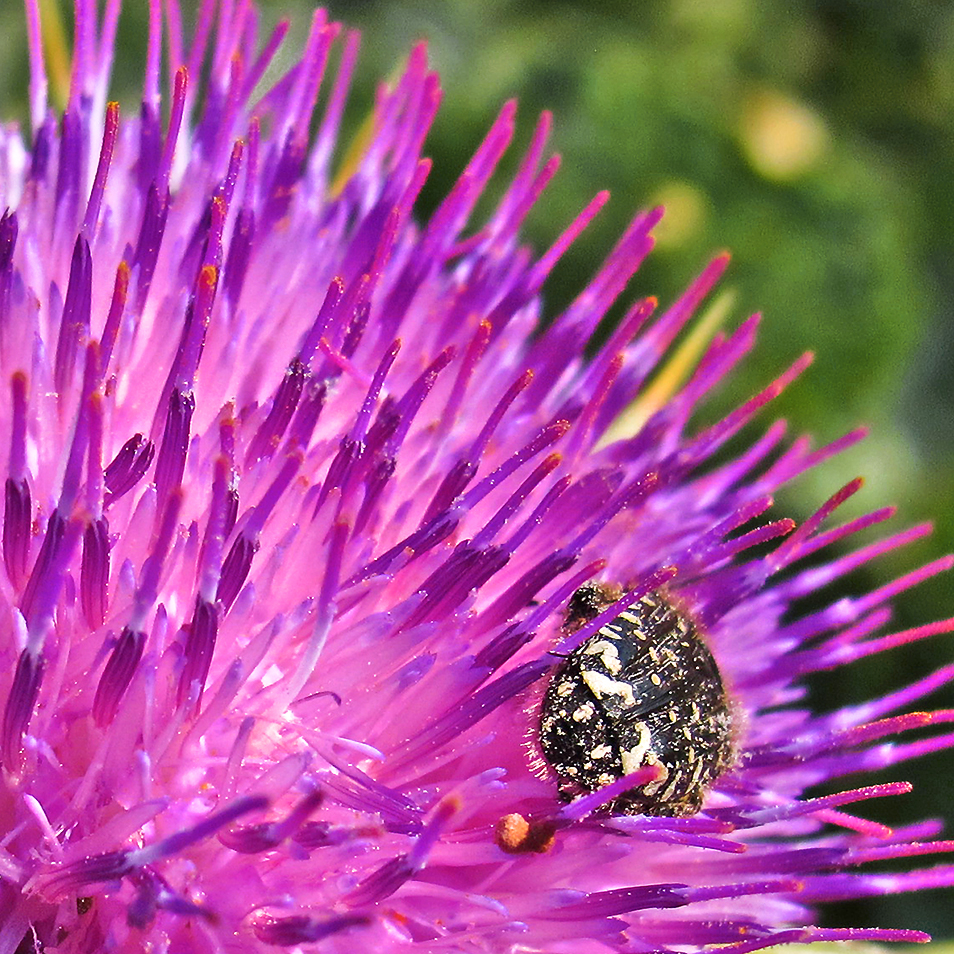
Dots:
{"x": 643, "y": 690}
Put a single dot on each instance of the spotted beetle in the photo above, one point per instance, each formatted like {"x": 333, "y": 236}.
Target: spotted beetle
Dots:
{"x": 643, "y": 690}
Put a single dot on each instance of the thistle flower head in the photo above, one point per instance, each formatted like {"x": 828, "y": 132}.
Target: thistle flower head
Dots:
{"x": 297, "y": 493}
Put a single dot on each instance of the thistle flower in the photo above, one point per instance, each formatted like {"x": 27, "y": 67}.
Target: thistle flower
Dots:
{"x": 296, "y": 496}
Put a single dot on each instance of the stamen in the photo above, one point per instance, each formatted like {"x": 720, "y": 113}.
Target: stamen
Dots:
{"x": 471, "y": 358}
{"x": 387, "y": 879}
{"x": 125, "y": 657}
{"x": 74, "y": 325}
{"x": 302, "y": 929}
{"x": 710, "y": 440}
{"x": 44, "y": 563}
{"x": 267, "y": 438}
{"x": 201, "y": 633}
{"x": 120, "y": 669}
{"x": 110, "y": 134}
{"x": 581, "y": 807}
{"x": 788, "y": 551}
{"x": 238, "y": 562}
{"x": 94, "y": 572}
{"x": 154, "y": 894}
{"x": 176, "y": 113}
{"x": 71, "y": 170}
{"x": 17, "y": 518}
{"x": 265, "y": 836}
{"x": 9, "y": 230}
{"x": 128, "y": 467}
{"x": 114, "y": 317}
{"x": 328, "y": 130}
{"x": 38, "y": 80}
{"x": 526, "y": 186}
{"x": 170, "y": 465}
{"x": 464, "y": 470}
{"x": 113, "y": 865}
{"x": 153, "y": 227}
{"x": 20, "y": 705}
{"x": 577, "y": 906}
{"x": 357, "y": 790}
{"x": 323, "y": 320}
{"x": 18, "y": 508}
{"x": 519, "y": 595}
{"x": 468, "y": 712}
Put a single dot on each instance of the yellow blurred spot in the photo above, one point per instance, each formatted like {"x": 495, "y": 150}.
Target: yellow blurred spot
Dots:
{"x": 686, "y": 211}
{"x": 56, "y": 52}
{"x": 673, "y": 374}
{"x": 782, "y": 139}
{"x": 353, "y": 154}
{"x": 360, "y": 141}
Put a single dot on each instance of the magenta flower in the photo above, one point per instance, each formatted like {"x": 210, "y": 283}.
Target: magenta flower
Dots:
{"x": 296, "y": 501}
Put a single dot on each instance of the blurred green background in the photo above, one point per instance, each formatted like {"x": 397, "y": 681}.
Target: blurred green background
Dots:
{"x": 815, "y": 140}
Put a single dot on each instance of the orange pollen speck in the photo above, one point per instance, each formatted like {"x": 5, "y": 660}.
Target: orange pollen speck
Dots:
{"x": 517, "y": 835}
